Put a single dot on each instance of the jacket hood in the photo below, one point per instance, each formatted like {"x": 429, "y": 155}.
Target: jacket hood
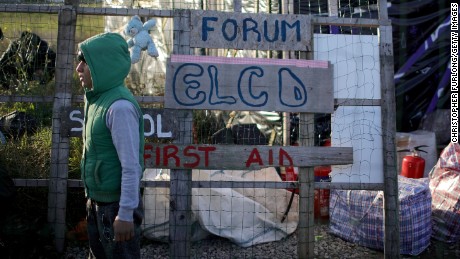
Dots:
{"x": 109, "y": 61}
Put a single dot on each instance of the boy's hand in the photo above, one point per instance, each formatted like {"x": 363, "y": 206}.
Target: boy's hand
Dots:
{"x": 123, "y": 230}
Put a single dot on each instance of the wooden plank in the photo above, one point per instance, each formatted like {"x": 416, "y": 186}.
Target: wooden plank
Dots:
{"x": 31, "y": 182}
{"x": 57, "y": 195}
{"x": 383, "y": 10}
{"x": 75, "y": 99}
{"x": 237, "y": 7}
{"x": 391, "y": 191}
{"x": 356, "y": 102}
{"x": 76, "y": 183}
{"x": 158, "y": 123}
{"x": 180, "y": 209}
{"x": 142, "y": 12}
{"x": 306, "y": 178}
{"x": 179, "y": 156}
{"x": 333, "y": 8}
{"x": 32, "y": 8}
{"x": 351, "y": 22}
{"x": 140, "y": 99}
{"x": 181, "y": 42}
{"x": 150, "y": 99}
{"x": 41, "y": 8}
{"x": 349, "y": 186}
{"x": 286, "y": 185}
{"x": 160, "y": 99}
{"x": 250, "y": 84}
{"x": 244, "y": 184}
{"x": 19, "y": 98}
{"x": 214, "y": 29}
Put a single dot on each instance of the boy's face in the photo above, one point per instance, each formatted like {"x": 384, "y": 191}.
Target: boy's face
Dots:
{"x": 83, "y": 72}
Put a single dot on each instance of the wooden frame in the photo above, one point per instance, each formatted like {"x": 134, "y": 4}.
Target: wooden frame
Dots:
{"x": 181, "y": 182}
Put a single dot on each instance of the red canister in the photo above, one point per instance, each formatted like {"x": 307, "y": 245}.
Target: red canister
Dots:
{"x": 321, "y": 210}
{"x": 413, "y": 166}
{"x": 322, "y": 195}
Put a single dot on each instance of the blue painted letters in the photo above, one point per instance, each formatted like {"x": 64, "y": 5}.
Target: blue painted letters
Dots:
{"x": 242, "y": 85}
{"x": 249, "y": 29}
{"x": 253, "y": 71}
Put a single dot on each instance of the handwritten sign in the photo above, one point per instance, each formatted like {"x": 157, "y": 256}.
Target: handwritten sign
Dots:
{"x": 213, "y": 29}
{"x": 249, "y": 84}
{"x": 159, "y": 123}
{"x": 239, "y": 156}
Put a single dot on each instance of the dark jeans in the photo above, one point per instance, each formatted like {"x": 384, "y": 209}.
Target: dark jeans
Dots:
{"x": 100, "y": 217}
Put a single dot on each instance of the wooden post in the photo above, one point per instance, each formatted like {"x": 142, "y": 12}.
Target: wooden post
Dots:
{"x": 57, "y": 196}
{"x": 388, "y": 105}
{"x": 306, "y": 179}
{"x": 237, "y": 6}
{"x": 180, "y": 211}
{"x": 333, "y": 8}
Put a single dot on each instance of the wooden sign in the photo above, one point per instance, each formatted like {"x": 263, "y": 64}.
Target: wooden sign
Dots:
{"x": 249, "y": 84}
{"x": 240, "y": 156}
{"x": 159, "y": 123}
{"x": 213, "y": 29}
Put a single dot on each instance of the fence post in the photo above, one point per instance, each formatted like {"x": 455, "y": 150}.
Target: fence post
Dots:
{"x": 388, "y": 106}
{"x": 57, "y": 195}
{"x": 306, "y": 179}
{"x": 180, "y": 214}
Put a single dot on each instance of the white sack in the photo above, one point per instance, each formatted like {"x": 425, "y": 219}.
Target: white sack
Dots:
{"x": 246, "y": 216}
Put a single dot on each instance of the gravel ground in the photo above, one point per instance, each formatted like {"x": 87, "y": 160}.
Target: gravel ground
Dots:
{"x": 326, "y": 246}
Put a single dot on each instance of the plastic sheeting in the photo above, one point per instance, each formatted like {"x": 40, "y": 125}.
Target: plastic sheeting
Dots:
{"x": 245, "y": 216}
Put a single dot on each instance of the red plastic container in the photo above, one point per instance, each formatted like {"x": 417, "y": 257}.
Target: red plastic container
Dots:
{"x": 290, "y": 175}
{"x": 322, "y": 195}
{"x": 413, "y": 166}
{"x": 321, "y": 199}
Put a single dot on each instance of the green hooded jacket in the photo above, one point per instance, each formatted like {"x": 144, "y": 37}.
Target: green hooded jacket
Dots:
{"x": 108, "y": 58}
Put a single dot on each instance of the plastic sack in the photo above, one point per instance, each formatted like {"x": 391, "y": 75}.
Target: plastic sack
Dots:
{"x": 245, "y": 216}
{"x": 357, "y": 216}
{"x": 445, "y": 190}
{"x": 155, "y": 225}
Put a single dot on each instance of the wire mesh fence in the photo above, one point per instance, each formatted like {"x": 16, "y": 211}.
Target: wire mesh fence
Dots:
{"x": 246, "y": 206}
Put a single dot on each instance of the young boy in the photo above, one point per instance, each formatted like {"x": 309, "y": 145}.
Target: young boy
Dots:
{"x": 113, "y": 146}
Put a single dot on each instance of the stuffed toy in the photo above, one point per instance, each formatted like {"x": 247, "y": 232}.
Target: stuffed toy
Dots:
{"x": 140, "y": 38}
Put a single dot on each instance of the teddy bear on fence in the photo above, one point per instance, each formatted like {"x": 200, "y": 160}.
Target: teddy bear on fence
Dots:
{"x": 140, "y": 38}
